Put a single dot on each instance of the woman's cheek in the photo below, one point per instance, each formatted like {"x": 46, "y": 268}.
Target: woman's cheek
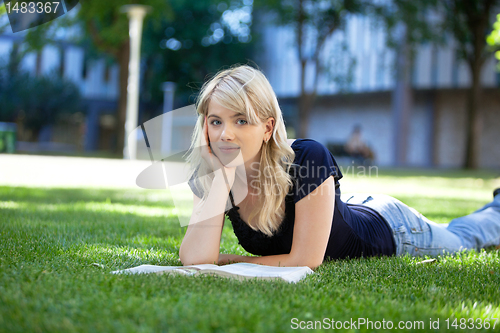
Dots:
{"x": 212, "y": 134}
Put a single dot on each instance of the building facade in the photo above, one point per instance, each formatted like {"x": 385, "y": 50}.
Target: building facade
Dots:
{"x": 439, "y": 82}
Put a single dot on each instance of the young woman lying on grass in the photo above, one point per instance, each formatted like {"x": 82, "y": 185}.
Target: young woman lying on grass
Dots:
{"x": 283, "y": 196}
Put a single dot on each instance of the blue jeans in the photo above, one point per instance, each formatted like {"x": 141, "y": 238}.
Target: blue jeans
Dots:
{"x": 416, "y": 235}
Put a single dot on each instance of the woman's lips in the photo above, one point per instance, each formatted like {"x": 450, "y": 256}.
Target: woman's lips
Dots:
{"x": 228, "y": 150}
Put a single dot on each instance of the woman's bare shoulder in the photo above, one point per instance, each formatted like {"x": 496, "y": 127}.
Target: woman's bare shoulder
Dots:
{"x": 290, "y": 141}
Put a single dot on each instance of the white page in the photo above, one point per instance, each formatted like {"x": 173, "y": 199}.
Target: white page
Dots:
{"x": 145, "y": 269}
{"x": 291, "y": 274}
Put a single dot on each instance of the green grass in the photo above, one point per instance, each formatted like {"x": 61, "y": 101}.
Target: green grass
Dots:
{"x": 50, "y": 240}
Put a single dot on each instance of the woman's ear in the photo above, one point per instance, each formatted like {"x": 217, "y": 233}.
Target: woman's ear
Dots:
{"x": 269, "y": 126}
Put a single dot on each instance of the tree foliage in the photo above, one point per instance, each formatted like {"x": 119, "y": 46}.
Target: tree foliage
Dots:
{"x": 418, "y": 16}
{"x": 313, "y": 21}
{"x": 195, "y": 43}
{"x": 493, "y": 39}
{"x": 103, "y": 29}
{"x": 469, "y": 22}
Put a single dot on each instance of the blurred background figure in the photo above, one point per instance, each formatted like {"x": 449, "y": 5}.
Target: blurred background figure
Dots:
{"x": 358, "y": 149}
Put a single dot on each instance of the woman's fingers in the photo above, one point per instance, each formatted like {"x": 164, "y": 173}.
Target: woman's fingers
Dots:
{"x": 207, "y": 138}
{"x": 206, "y": 147}
{"x": 207, "y": 152}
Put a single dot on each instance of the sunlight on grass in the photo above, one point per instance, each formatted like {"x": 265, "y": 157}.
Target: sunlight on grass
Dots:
{"x": 471, "y": 309}
{"x": 137, "y": 210}
{"x": 432, "y": 187}
{"x": 10, "y": 205}
{"x": 129, "y": 255}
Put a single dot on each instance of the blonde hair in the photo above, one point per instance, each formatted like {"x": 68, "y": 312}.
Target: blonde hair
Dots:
{"x": 246, "y": 90}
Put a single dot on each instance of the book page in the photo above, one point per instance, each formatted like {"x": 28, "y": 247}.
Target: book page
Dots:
{"x": 187, "y": 270}
{"x": 290, "y": 274}
{"x": 145, "y": 269}
{"x": 202, "y": 266}
{"x": 239, "y": 270}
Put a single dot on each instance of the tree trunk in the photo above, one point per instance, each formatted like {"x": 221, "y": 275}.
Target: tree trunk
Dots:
{"x": 14, "y": 60}
{"x": 306, "y": 100}
{"x": 123, "y": 59}
{"x": 402, "y": 102}
{"x": 305, "y": 104}
{"x": 478, "y": 22}
{"x": 474, "y": 119}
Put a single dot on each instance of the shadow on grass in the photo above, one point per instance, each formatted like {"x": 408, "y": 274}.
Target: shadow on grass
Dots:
{"x": 150, "y": 198}
{"x": 85, "y": 223}
{"x": 42, "y": 223}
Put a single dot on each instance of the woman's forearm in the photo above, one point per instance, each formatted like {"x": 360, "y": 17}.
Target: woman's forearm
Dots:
{"x": 202, "y": 240}
{"x": 283, "y": 260}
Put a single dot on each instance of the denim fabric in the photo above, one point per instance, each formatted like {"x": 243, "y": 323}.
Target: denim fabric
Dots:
{"x": 418, "y": 236}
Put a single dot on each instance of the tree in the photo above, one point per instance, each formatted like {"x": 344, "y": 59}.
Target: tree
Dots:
{"x": 407, "y": 25}
{"x": 314, "y": 21}
{"x": 469, "y": 22}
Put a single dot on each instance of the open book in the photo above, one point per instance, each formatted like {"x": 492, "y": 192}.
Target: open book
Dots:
{"x": 240, "y": 271}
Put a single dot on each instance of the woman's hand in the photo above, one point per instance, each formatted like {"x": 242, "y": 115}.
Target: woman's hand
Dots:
{"x": 213, "y": 161}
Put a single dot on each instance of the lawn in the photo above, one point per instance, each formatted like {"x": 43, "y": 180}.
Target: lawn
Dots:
{"x": 58, "y": 247}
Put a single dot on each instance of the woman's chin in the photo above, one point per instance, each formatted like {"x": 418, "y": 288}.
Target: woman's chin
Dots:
{"x": 232, "y": 161}
{"x": 233, "y": 164}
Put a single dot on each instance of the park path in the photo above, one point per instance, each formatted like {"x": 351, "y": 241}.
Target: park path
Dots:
{"x": 59, "y": 171}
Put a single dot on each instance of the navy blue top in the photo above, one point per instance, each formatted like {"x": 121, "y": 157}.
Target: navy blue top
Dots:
{"x": 356, "y": 230}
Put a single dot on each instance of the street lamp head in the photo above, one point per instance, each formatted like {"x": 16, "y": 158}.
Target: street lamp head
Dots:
{"x": 138, "y": 11}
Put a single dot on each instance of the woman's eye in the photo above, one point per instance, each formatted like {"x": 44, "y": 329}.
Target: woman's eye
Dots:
{"x": 215, "y": 121}
{"x": 242, "y": 122}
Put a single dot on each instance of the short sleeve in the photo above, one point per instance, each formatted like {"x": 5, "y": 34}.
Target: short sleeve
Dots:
{"x": 313, "y": 165}
{"x": 198, "y": 192}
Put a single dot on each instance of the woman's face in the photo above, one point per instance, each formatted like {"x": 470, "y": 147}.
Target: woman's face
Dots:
{"x": 230, "y": 134}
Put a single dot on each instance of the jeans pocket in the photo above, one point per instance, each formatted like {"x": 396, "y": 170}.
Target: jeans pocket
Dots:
{"x": 418, "y": 235}
{"x": 416, "y": 223}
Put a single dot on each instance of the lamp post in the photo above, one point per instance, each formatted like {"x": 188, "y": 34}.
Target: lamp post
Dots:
{"x": 168, "y": 105}
{"x": 136, "y": 15}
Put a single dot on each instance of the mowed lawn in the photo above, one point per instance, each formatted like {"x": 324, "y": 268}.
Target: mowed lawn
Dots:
{"x": 58, "y": 247}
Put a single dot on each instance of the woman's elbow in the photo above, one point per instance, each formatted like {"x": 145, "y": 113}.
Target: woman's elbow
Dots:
{"x": 312, "y": 263}
{"x": 315, "y": 264}
{"x": 189, "y": 259}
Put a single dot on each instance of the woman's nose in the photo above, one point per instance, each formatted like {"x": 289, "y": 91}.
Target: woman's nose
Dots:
{"x": 227, "y": 133}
